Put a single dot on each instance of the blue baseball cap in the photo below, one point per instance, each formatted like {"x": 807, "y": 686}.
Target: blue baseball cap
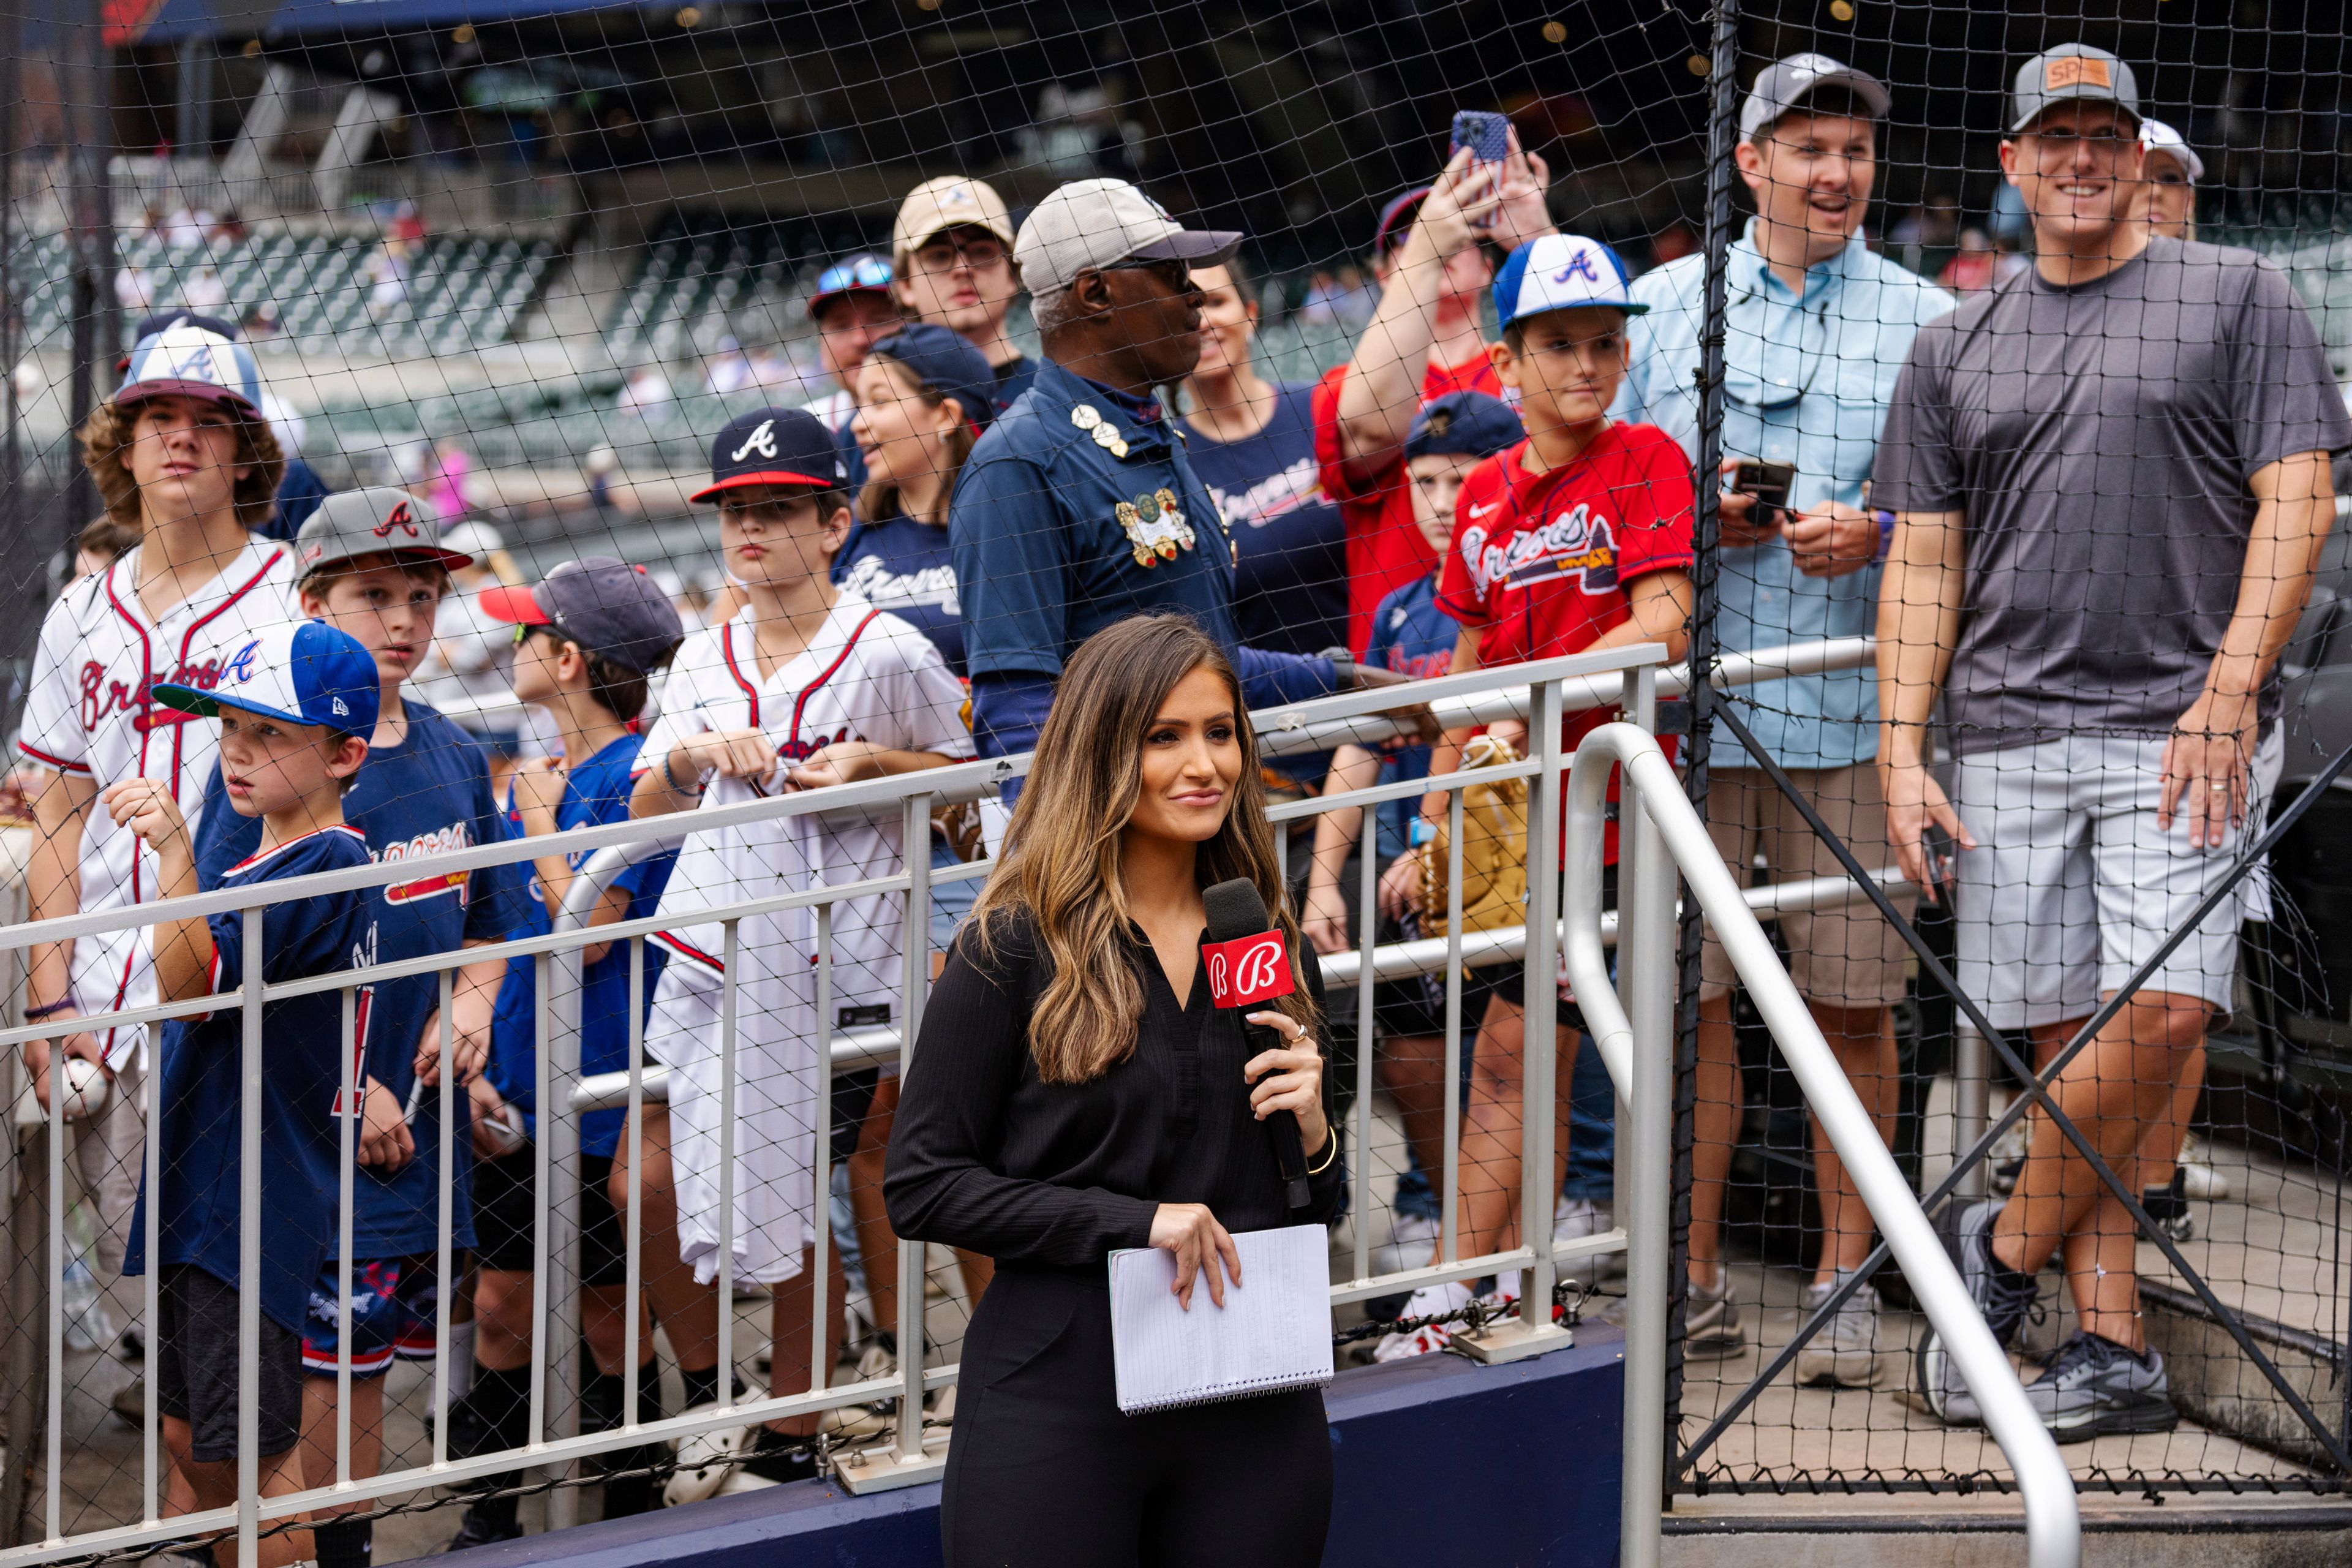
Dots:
{"x": 944, "y": 362}
{"x": 188, "y": 359}
{"x": 1562, "y": 272}
{"x": 773, "y": 447}
{"x": 302, "y": 672}
{"x": 864, "y": 273}
{"x": 1463, "y": 425}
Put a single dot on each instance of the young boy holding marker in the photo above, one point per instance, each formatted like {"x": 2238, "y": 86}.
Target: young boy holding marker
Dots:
{"x": 295, "y": 705}
{"x": 1577, "y": 538}
{"x": 587, "y": 642}
{"x": 804, "y": 687}
{"x": 370, "y": 562}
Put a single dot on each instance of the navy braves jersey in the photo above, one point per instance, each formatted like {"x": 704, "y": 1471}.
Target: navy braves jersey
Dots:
{"x": 906, "y": 567}
{"x": 199, "y": 1117}
{"x": 427, "y": 794}
{"x": 1290, "y": 543}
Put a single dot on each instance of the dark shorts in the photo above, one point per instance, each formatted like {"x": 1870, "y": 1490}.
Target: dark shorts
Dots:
{"x": 195, "y": 1367}
{"x": 503, "y": 1235}
{"x": 394, "y": 1301}
{"x": 853, "y": 1097}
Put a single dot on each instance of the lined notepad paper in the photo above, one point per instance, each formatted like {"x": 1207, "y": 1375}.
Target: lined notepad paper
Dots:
{"x": 1273, "y": 1333}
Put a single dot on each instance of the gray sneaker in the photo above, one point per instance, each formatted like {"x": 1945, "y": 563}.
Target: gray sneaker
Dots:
{"x": 1711, "y": 1323}
{"x": 2095, "y": 1388}
{"x": 1844, "y": 1354}
{"x": 1966, "y": 1227}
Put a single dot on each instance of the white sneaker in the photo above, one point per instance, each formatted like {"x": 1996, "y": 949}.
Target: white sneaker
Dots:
{"x": 702, "y": 1466}
{"x": 1411, "y": 1243}
{"x": 1844, "y": 1354}
{"x": 2199, "y": 1179}
{"x": 1573, "y": 1219}
{"x": 1428, "y": 1302}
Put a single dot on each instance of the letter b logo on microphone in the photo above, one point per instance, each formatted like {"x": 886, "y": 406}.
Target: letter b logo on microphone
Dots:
{"x": 1248, "y": 970}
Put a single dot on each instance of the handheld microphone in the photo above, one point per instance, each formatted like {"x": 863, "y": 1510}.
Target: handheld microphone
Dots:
{"x": 1248, "y": 963}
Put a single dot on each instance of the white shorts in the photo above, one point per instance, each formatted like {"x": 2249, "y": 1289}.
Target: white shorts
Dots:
{"x": 774, "y": 1124}
{"x": 2072, "y": 887}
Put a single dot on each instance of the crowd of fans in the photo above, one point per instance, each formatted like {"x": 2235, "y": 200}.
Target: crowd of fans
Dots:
{"x": 2081, "y": 508}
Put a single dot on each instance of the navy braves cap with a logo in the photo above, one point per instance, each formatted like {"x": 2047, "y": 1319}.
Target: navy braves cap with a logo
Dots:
{"x": 864, "y": 273}
{"x": 1561, "y": 272}
{"x": 188, "y": 360}
{"x": 1396, "y": 220}
{"x": 302, "y": 672}
{"x": 773, "y": 447}
{"x": 603, "y": 603}
{"x": 376, "y": 520}
{"x": 1463, "y": 425}
{"x": 945, "y": 362}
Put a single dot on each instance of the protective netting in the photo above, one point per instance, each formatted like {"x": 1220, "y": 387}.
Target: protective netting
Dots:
{"x": 546, "y": 276}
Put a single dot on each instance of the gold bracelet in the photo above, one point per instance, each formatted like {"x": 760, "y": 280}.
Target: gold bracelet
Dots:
{"x": 1330, "y": 1150}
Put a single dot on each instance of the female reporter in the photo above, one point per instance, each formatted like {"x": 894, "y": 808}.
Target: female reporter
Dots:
{"x": 1073, "y": 1091}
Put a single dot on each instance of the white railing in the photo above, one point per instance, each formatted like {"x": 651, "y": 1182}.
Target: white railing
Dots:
{"x": 1542, "y": 692}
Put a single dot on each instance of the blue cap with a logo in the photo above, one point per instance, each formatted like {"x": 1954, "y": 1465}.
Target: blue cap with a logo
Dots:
{"x": 773, "y": 447}
{"x": 864, "y": 273}
{"x": 187, "y": 359}
{"x": 945, "y": 362}
{"x": 1463, "y": 425}
{"x": 302, "y": 672}
{"x": 1562, "y": 272}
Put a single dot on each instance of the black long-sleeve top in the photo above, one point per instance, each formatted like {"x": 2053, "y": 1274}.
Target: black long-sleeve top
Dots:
{"x": 984, "y": 1155}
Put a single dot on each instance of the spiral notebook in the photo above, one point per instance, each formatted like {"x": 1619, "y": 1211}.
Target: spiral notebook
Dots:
{"x": 1273, "y": 1334}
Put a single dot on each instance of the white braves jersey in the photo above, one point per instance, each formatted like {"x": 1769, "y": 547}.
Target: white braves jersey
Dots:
{"x": 90, "y": 712}
{"x": 867, "y": 676}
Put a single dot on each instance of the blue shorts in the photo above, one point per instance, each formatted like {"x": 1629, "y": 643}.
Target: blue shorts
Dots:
{"x": 394, "y": 1302}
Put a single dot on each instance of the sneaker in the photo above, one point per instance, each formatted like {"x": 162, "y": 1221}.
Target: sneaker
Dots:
{"x": 1429, "y": 1301}
{"x": 2007, "y": 1156}
{"x": 1411, "y": 1243}
{"x": 1844, "y": 1354}
{"x": 2094, "y": 1387}
{"x": 703, "y": 1461}
{"x": 777, "y": 1457}
{"x": 1711, "y": 1323}
{"x": 478, "y": 1528}
{"x": 1966, "y": 1227}
{"x": 2199, "y": 1179}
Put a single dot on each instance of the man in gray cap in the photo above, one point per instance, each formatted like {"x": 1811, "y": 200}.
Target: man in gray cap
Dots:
{"x": 2110, "y": 482}
{"x": 1817, "y": 329}
{"x": 1078, "y": 507}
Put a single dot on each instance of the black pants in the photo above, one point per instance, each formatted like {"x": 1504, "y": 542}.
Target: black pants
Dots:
{"x": 1046, "y": 1472}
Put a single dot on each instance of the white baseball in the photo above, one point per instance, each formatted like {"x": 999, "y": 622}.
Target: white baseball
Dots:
{"x": 85, "y": 1089}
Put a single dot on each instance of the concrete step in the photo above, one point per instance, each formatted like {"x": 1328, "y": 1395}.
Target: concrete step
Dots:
{"x": 1919, "y": 1530}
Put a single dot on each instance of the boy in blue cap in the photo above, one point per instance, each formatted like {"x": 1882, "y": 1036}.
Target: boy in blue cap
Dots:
{"x": 295, "y": 704}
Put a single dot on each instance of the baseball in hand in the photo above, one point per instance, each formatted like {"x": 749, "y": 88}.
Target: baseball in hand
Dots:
{"x": 85, "y": 1089}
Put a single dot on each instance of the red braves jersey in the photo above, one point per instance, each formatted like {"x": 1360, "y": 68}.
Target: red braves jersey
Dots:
{"x": 1385, "y": 549}
{"x": 90, "y": 712}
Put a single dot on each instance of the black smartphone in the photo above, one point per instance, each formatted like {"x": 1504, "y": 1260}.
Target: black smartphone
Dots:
{"x": 1935, "y": 849}
{"x": 1769, "y": 483}
{"x": 1486, "y": 134}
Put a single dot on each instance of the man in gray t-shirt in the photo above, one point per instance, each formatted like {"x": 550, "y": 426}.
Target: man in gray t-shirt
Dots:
{"x": 2110, "y": 480}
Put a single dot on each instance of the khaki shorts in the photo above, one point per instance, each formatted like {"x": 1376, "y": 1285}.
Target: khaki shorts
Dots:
{"x": 1848, "y": 957}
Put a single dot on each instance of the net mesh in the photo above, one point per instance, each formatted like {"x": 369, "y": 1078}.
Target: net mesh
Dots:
{"x": 530, "y": 264}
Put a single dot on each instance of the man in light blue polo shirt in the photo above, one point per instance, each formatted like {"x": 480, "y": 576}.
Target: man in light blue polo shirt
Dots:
{"x": 1818, "y": 330}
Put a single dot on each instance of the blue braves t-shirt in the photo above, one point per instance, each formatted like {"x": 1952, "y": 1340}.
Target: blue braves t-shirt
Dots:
{"x": 905, "y": 567}
{"x": 427, "y": 794}
{"x": 1413, "y": 636}
{"x": 200, "y": 1064}
{"x": 596, "y": 792}
{"x": 1290, "y": 585}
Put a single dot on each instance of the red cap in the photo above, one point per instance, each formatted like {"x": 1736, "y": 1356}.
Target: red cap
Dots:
{"x": 518, "y": 605}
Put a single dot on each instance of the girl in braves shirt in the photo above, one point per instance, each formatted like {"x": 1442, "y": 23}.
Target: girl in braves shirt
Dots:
{"x": 183, "y": 456}
{"x": 804, "y": 687}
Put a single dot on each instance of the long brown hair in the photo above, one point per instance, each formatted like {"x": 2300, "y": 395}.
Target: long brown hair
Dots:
{"x": 107, "y": 433}
{"x": 1061, "y": 864}
{"x": 879, "y": 501}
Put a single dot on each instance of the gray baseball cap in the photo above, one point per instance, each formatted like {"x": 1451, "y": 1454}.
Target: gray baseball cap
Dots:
{"x": 600, "y": 602}
{"x": 376, "y": 520}
{"x": 1092, "y": 224}
{"x": 1786, "y": 84}
{"x": 2071, "y": 71}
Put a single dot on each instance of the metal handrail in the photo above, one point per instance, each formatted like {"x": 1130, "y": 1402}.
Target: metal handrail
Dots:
{"x": 1635, "y": 1049}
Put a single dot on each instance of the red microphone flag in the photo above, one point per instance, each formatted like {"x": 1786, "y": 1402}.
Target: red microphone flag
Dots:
{"x": 1248, "y": 970}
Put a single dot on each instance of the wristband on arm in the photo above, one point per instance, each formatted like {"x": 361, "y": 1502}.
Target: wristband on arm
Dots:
{"x": 1886, "y": 521}
{"x": 47, "y": 1010}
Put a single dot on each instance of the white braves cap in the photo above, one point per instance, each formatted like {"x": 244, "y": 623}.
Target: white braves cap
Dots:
{"x": 186, "y": 359}
{"x": 1561, "y": 272}
{"x": 1088, "y": 225}
{"x": 2155, "y": 136}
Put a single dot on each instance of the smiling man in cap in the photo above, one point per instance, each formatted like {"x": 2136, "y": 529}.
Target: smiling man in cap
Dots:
{"x": 2110, "y": 477}
{"x": 1817, "y": 325}
{"x": 1079, "y": 507}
